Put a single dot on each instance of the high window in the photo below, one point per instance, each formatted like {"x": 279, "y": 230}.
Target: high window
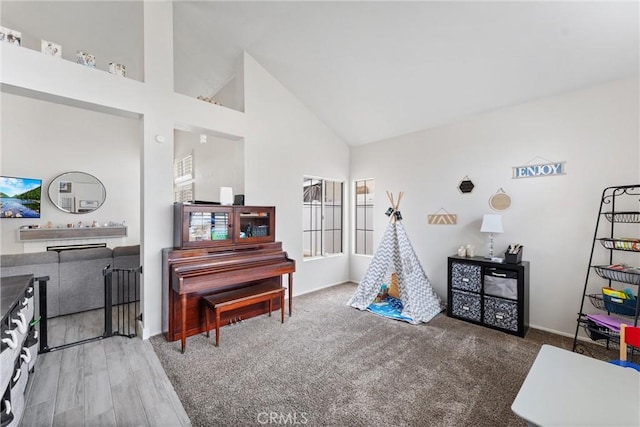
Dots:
{"x": 322, "y": 217}
{"x": 363, "y": 224}
{"x": 183, "y": 179}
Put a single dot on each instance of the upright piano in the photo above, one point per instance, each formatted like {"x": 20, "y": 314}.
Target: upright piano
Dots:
{"x": 245, "y": 266}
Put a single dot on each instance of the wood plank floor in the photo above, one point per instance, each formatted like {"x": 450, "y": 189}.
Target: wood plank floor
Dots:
{"x": 115, "y": 381}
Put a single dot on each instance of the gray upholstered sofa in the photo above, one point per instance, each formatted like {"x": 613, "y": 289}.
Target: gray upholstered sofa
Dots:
{"x": 75, "y": 282}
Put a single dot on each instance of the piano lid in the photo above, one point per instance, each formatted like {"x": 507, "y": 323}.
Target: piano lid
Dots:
{"x": 216, "y": 270}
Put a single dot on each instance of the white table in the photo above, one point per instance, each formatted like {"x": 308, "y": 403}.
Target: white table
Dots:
{"x": 568, "y": 389}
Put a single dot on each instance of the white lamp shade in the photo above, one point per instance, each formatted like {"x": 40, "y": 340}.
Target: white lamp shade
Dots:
{"x": 226, "y": 195}
{"x": 491, "y": 223}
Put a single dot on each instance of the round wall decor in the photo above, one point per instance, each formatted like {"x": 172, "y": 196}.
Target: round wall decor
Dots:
{"x": 500, "y": 201}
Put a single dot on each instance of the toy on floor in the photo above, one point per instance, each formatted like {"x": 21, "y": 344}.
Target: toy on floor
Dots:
{"x": 629, "y": 336}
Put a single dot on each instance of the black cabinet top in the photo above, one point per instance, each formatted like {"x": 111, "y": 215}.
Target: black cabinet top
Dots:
{"x": 487, "y": 262}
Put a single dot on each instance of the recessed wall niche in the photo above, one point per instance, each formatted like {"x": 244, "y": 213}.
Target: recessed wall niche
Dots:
{"x": 203, "y": 67}
{"x": 112, "y": 31}
{"x": 60, "y": 138}
{"x": 203, "y": 163}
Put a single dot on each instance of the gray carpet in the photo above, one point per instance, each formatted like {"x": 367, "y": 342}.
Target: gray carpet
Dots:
{"x": 333, "y": 365}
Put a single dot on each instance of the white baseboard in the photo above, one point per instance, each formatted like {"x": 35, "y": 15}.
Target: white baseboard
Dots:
{"x": 143, "y": 333}
{"x": 320, "y": 288}
{"x": 564, "y": 334}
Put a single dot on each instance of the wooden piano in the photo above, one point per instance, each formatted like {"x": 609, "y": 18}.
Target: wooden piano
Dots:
{"x": 193, "y": 273}
{"x": 222, "y": 250}
{"x": 217, "y": 250}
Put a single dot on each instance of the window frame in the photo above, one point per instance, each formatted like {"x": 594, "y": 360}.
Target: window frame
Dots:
{"x": 355, "y": 217}
{"x": 323, "y": 230}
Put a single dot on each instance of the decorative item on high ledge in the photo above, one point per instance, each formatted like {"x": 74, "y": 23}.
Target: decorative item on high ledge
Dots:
{"x": 10, "y": 36}
{"x": 86, "y": 59}
{"x": 117, "y": 69}
{"x": 208, "y": 99}
{"x": 492, "y": 224}
{"x": 50, "y": 48}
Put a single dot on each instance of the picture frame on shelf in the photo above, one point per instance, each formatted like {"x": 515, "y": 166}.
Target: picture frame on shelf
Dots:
{"x": 86, "y": 59}
{"x": 10, "y": 36}
{"x": 117, "y": 69}
{"x": 50, "y": 48}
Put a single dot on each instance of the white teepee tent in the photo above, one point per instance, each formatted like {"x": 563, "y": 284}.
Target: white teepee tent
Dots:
{"x": 395, "y": 254}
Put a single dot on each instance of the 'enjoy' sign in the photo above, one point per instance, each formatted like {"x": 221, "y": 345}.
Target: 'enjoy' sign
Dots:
{"x": 536, "y": 171}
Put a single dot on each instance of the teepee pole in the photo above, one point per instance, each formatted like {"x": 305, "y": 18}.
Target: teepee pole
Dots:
{"x": 394, "y": 205}
{"x": 390, "y": 197}
{"x": 392, "y": 217}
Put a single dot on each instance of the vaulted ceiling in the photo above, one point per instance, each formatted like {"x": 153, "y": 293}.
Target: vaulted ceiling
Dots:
{"x": 375, "y": 70}
{"x": 369, "y": 70}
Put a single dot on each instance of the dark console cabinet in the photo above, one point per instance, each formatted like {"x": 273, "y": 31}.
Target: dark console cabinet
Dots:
{"x": 495, "y": 295}
{"x": 208, "y": 226}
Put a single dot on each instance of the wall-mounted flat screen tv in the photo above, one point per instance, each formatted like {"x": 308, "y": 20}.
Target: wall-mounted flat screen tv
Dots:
{"x": 20, "y": 197}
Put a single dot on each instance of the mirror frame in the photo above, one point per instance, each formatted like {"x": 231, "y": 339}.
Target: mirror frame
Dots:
{"x": 90, "y": 205}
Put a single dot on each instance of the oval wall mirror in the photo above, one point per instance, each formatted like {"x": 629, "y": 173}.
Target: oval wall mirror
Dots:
{"x": 77, "y": 192}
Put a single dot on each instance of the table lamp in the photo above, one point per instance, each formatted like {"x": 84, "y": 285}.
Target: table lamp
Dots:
{"x": 491, "y": 224}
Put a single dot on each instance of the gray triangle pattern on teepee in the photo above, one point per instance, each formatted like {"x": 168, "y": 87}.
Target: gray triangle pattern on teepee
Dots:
{"x": 395, "y": 254}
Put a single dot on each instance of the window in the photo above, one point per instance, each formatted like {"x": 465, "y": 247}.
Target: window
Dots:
{"x": 183, "y": 193}
{"x": 183, "y": 169}
{"x": 322, "y": 201}
{"x": 364, "y": 217}
{"x": 183, "y": 179}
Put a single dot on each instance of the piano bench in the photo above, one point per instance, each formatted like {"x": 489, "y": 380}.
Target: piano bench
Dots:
{"x": 218, "y": 304}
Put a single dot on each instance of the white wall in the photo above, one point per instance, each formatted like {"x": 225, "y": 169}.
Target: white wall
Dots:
{"x": 162, "y": 111}
{"x": 230, "y": 95}
{"x": 596, "y": 131}
{"x": 217, "y": 163}
{"x": 284, "y": 143}
{"x": 42, "y": 140}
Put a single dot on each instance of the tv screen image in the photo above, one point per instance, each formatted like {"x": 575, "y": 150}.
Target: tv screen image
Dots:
{"x": 20, "y": 197}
